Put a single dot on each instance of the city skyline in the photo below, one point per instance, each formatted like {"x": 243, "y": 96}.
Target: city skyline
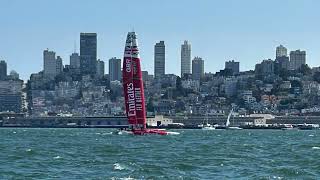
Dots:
{"x": 217, "y": 31}
{"x": 295, "y": 59}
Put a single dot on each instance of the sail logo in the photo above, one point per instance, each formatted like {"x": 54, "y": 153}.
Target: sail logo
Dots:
{"x": 131, "y": 100}
{"x": 128, "y": 65}
{"x": 138, "y": 99}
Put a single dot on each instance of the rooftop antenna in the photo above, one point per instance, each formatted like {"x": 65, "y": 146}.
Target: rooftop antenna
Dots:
{"x": 75, "y": 46}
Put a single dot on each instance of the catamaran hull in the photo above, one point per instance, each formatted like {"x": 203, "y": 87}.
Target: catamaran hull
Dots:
{"x": 144, "y": 132}
{"x": 150, "y": 131}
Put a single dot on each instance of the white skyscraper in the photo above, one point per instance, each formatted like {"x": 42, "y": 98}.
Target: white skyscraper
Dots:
{"x": 281, "y": 51}
{"x": 51, "y": 65}
{"x": 185, "y": 58}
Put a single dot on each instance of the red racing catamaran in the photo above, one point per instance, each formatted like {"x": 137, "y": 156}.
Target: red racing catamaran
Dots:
{"x": 133, "y": 89}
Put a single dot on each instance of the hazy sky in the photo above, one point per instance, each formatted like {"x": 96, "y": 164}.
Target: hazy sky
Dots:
{"x": 219, "y": 30}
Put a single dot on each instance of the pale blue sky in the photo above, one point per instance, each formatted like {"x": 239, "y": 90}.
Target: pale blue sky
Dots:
{"x": 245, "y": 30}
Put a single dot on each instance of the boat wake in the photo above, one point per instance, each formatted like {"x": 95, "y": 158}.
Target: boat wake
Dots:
{"x": 125, "y": 132}
{"x": 173, "y": 133}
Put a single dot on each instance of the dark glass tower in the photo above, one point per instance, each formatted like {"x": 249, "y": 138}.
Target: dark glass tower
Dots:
{"x": 159, "y": 59}
{"x": 88, "y": 53}
{"x": 115, "y": 69}
{"x": 3, "y": 70}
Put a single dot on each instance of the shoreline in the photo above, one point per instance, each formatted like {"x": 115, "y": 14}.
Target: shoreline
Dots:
{"x": 280, "y": 127}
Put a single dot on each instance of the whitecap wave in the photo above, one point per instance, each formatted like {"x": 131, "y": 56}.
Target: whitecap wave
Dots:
{"x": 311, "y": 135}
{"x": 108, "y": 133}
{"x": 277, "y": 177}
{"x": 127, "y": 178}
{"x": 172, "y": 133}
{"x": 124, "y": 178}
{"x": 57, "y": 157}
{"x": 122, "y": 132}
{"x": 28, "y": 150}
{"x": 315, "y": 147}
{"x": 118, "y": 166}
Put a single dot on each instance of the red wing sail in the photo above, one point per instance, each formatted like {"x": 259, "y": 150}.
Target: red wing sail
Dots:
{"x": 133, "y": 84}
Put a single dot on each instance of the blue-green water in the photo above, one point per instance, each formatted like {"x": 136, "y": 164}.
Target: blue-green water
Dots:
{"x": 194, "y": 154}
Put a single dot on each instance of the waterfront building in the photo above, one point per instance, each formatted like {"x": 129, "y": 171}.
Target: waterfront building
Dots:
{"x": 88, "y": 53}
{"x": 115, "y": 73}
{"x": 3, "y": 70}
{"x": 11, "y": 96}
{"x": 297, "y": 59}
{"x": 159, "y": 59}
{"x": 100, "y": 68}
{"x": 75, "y": 62}
{"x": 233, "y": 65}
{"x": 281, "y": 51}
{"x": 197, "y": 68}
{"x": 185, "y": 58}
{"x": 52, "y": 65}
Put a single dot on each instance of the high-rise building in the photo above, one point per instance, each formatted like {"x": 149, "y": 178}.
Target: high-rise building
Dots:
{"x": 75, "y": 61}
{"x": 233, "y": 65}
{"x": 88, "y": 53}
{"x": 159, "y": 59}
{"x": 281, "y": 51}
{"x": 3, "y": 70}
{"x": 100, "y": 68}
{"x": 115, "y": 73}
{"x": 185, "y": 58}
{"x": 145, "y": 75}
{"x": 266, "y": 67}
{"x": 59, "y": 65}
{"x": 52, "y": 66}
{"x": 197, "y": 68}
{"x": 11, "y": 96}
{"x": 282, "y": 62}
{"x": 297, "y": 59}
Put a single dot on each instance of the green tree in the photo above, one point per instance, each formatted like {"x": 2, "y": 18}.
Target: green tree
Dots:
{"x": 150, "y": 105}
{"x": 316, "y": 77}
{"x": 305, "y": 69}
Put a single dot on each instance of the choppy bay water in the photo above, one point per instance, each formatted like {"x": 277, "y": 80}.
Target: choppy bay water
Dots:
{"x": 194, "y": 154}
